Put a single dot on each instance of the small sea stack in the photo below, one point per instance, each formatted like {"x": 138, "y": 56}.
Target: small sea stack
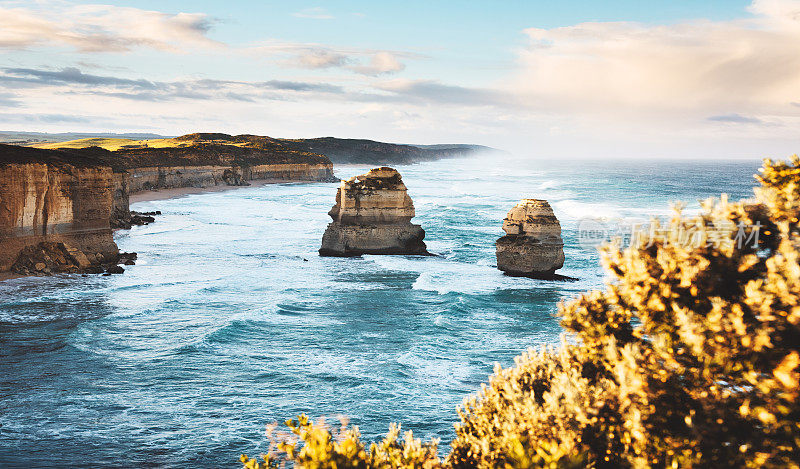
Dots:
{"x": 532, "y": 246}
{"x": 373, "y": 215}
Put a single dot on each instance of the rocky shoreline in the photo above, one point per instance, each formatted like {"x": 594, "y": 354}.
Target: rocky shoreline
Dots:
{"x": 49, "y": 258}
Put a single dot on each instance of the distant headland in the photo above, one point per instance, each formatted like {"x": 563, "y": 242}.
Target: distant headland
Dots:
{"x": 338, "y": 150}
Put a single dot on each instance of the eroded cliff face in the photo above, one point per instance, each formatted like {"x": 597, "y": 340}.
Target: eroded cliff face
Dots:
{"x": 59, "y": 203}
{"x": 168, "y": 177}
{"x": 153, "y": 178}
{"x": 372, "y": 216}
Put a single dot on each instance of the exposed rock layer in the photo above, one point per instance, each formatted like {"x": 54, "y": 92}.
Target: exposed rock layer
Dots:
{"x": 168, "y": 177}
{"x": 372, "y": 216}
{"x": 55, "y": 202}
{"x": 532, "y": 246}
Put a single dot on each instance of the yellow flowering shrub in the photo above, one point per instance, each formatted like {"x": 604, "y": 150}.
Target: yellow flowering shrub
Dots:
{"x": 316, "y": 446}
{"x": 690, "y": 357}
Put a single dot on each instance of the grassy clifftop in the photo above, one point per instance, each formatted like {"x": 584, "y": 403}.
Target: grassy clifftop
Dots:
{"x": 187, "y": 150}
{"x": 184, "y": 141}
{"x": 338, "y": 150}
{"x": 15, "y": 154}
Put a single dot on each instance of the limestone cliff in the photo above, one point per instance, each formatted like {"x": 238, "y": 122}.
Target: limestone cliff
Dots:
{"x": 54, "y": 197}
{"x": 196, "y": 160}
{"x": 166, "y": 177}
{"x": 532, "y": 246}
{"x": 74, "y": 196}
{"x": 372, "y": 216}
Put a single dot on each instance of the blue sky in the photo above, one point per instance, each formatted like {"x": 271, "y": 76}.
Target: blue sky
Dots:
{"x": 615, "y": 78}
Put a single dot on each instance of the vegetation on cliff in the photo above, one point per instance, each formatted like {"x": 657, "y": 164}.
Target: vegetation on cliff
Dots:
{"x": 689, "y": 358}
{"x": 202, "y": 149}
{"x": 90, "y": 157}
{"x": 189, "y": 150}
{"x": 338, "y": 150}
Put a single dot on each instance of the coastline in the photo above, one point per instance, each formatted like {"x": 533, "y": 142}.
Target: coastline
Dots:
{"x": 9, "y": 276}
{"x": 173, "y": 193}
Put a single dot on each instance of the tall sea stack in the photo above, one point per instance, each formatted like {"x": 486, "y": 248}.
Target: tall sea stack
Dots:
{"x": 373, "y": 215}
{"x": 532, "y": 246}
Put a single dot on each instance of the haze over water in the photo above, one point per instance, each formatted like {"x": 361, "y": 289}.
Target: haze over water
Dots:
{"x": 230, "y": 320}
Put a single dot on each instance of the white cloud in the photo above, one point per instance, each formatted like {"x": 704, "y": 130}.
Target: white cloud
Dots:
{"x": 368, "y": 62}
{"x": 103, "y": 28}
{"x": 379, "y": 64}
{"x": 708, "y": 68}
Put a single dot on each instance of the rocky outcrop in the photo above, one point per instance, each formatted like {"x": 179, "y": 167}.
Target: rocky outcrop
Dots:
{"x": 48, "y": 258}
{"x": 53, "y": 198}
{"x": 532, "y": 246}
{"x": 373, "y": 215}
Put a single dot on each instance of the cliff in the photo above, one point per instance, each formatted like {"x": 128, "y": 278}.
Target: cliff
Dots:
{"x": 372, "y": 215}
{"x": 56, "y": 197}
{"x": 65, "y": 202}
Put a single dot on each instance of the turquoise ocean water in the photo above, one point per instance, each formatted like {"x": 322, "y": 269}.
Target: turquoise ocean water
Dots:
{"x": 230, "y": 320}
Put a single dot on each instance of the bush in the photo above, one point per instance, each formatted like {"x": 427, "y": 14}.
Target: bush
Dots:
{"x": 689, "y": 358}
{"x": 314, "y": 446}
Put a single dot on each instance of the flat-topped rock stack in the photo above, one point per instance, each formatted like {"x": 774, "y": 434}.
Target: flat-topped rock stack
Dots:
{"x": 532, "y": 246}
{"x": 373, "y": 215}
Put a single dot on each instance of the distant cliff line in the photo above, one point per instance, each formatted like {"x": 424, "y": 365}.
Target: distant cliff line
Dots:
{"x": 338, "y": 150}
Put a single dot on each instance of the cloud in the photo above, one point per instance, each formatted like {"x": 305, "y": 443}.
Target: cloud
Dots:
{"x": 317, "y": 58}
{"x": 103, "y": 28}
{"x": 45, "y": 118}
{"x": 303, "y": 86}
{"x": 316, "y": 13}
{"x": 77, "y": 82}
{"x": 73, "y": 75}
{"x": 703, "y": 67}
{"x": 381, "y": 63}
{"x": 370, "y": 62}
{"x": 8, "y": 100}
{"x": 735, "y": 119}
{"x": 72, "y": 81}
{"x": 430, "y": 92}
{"x": 113, "y": 29}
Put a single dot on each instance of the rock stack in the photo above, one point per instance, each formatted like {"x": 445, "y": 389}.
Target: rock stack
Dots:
{"x": 373, "y": 215}
{"x": 532, "y": 246}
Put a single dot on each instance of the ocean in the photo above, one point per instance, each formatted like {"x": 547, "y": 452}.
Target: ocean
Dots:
{"x": 231, "y": 321}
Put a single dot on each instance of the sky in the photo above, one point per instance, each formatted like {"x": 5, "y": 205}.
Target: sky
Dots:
{"x": 542, "y": 79}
